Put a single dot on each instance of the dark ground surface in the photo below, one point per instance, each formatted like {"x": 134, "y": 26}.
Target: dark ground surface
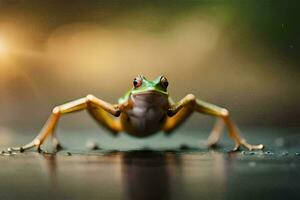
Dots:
{"x": 155, "y": 168}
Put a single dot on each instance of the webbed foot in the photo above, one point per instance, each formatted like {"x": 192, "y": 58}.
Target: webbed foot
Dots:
{"x": 35, "y": 143}
{"x": 250, "y": 147}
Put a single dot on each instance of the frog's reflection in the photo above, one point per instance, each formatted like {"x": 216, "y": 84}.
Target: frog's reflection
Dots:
{"x": 145, "y": 175}
{"x": 162, "y": 175}
{"x": 51, "y": 166}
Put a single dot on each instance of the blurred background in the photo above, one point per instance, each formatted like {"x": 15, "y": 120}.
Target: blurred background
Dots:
{"x": 243, "y": 55}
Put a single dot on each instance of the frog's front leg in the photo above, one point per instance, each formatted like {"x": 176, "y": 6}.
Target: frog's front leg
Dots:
{"x": 183, "y": 114}
{"x": 89, "y": 102}
{"x": 189, "y": 103}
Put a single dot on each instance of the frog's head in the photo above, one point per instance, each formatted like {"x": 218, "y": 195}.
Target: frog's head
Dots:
{"x": 142, "y": 85}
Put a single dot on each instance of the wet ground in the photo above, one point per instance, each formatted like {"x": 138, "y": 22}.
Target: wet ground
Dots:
{"x": 176, "y": 167}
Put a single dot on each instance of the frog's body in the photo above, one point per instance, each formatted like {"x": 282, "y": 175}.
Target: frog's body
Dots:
{"x": 147, "y": 114}
{"x": 142, "y": 111}
{"x": 148, "y": 108}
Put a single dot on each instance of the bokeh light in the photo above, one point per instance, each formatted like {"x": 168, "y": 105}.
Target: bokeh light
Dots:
{"x": 218, "y": 51}
{"x": 3, "y": 48}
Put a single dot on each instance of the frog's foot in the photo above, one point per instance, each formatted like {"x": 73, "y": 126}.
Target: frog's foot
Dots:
{"x": 56, "y": 144}
{"x": 212, "y": 145}
{"x": 250, "y": 147}
{"x": 35, "y": 143}
{"x": 214, "y": 136}
{"x": 212, "y": 142}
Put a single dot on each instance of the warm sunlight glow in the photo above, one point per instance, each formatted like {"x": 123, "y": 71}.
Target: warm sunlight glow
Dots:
{"x": 3, "y": 48}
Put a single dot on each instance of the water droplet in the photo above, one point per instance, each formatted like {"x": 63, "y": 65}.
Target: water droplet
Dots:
{"x": 252, "y": 164}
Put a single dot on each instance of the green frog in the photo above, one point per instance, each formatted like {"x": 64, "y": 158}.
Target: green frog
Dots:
{"x": 143, "y": 111}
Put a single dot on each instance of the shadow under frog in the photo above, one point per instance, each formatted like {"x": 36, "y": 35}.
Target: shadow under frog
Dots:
{"x": 145, "y": 175}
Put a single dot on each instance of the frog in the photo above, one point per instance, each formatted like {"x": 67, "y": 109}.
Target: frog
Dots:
{"x": 146, "y": 109}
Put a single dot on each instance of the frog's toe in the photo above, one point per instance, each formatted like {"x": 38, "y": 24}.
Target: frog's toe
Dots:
{"x": 257, "y": 147}
{"x": 40, "y": 150}
{"x": 12, "y": 151}
{"x": 253, "y": 147}
{"x": 248, "y": 146}
{"x": 15, "y": 149}
{"x": 57, "y": 145}
{"x": 236, "y": 148}
{"x": 23, "y": 148}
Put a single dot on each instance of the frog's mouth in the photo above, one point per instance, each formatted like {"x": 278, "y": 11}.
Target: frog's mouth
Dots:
{"x": 149, "y": 92}
{"x": 150, "y": 96}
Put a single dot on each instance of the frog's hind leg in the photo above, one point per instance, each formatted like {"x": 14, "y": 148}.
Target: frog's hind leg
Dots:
{"x": 215, "y": 134}
{"x": 73, "y": 106}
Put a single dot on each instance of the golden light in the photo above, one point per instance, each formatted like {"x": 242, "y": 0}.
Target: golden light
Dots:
{"x": 5, "y": 57}
{"x": 3, "y": 48}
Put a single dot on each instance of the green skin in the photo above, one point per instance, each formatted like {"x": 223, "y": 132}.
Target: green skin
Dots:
{"x": 146, "y": 86}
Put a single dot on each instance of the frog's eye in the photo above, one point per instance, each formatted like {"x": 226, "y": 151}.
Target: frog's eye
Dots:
{"x": 137, "y": 82}
{"x": 164, "y": 82}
